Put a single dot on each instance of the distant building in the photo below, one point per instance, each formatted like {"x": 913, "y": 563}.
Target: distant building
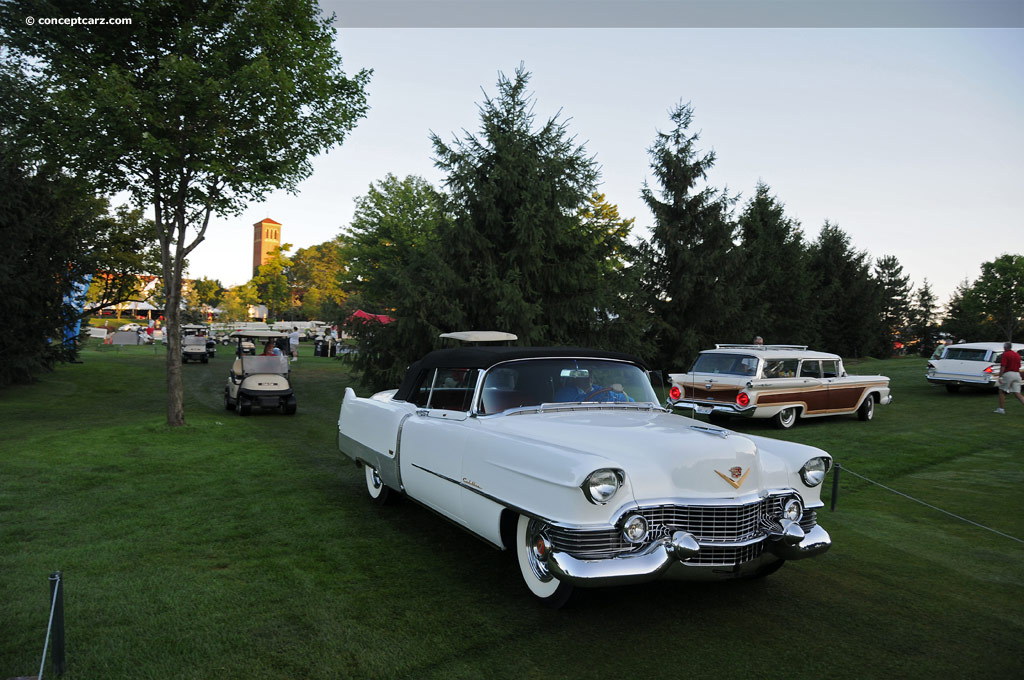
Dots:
{"x": 266, "y": 237}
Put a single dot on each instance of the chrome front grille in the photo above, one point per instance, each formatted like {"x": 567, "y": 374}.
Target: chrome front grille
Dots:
{"x": 710, "y": 525}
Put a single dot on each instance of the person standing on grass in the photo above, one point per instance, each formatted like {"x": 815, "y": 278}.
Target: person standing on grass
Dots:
{"x": 293, "y": 340}
{"x": 1009, "y": 376}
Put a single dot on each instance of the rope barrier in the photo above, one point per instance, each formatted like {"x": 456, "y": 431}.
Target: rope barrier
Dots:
{"x": 928, "y": 505}
{"x": 49, "y": 626}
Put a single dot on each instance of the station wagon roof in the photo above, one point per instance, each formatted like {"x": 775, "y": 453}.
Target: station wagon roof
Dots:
{"x": 772, "y": 351}
{"x": 998, "y": 346}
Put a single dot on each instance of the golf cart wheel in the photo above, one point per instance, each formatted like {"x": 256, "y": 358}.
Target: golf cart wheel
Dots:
{"x": 205, "y": 359}
{"x": 244, "y": 406}
{"x": 289, "y": 405}
{"x": 229, "y": 405}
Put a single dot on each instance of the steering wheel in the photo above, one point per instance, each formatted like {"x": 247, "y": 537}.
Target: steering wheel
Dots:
{"x": 594, "y": 393}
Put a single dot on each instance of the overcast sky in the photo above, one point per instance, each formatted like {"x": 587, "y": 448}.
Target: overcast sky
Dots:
{"x": 911, "y": 140}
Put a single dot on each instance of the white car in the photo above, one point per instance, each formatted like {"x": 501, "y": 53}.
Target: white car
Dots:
{"x": 565, "y": 458}
{"x": 130, "y": 327}
{"x": 974, "y": 364}
{"x": 779, "y": 382}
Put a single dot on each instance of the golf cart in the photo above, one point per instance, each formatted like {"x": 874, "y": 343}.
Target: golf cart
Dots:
{"x": 194, "y": 337}
{"x": 259, "y": 381}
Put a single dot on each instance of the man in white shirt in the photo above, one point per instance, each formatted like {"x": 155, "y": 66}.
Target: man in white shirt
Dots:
{"x": 293, "y": 340}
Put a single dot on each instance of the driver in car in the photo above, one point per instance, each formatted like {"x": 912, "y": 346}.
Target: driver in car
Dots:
{"x": 582, "y": 389}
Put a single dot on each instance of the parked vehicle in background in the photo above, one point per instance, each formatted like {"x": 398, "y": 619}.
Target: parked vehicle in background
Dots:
{"x": 564, "y": 457}
{"x": 971, "y": 364}
{"x": 130, "y": 327}
{"x": 193, "y": 348}
{"x": 779, "y": 382}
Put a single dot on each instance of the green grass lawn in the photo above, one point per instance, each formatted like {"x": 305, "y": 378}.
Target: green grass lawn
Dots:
{"x": 246, "y": 548}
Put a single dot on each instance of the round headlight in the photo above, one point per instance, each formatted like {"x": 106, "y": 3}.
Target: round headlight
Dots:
{"x": 634, "y": 529}
{"x": 793, "y": 511}
{"x": 601, "y": 485}
{"x": 813, "y": 471}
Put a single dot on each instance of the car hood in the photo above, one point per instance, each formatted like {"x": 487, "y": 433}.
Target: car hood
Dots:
{"x": 663, "y": 455}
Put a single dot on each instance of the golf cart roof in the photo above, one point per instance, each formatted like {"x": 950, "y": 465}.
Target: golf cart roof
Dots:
{"x": 261, "y": 335}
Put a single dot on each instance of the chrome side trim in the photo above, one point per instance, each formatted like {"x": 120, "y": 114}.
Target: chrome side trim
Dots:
{"x": 505, "y": 504}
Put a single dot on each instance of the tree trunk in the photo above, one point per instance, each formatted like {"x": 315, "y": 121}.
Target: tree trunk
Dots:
{"x": 172, "y": 330}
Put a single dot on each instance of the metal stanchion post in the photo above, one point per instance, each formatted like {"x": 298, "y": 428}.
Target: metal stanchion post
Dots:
{"x": 835, "y": 487}
{"x": 57, "y": 593}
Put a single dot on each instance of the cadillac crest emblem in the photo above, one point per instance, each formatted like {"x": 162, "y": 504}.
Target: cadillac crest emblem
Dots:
{"x": 735, "y": 477}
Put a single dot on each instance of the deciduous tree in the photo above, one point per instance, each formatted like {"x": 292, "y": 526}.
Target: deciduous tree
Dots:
{"x": 1000, "y": 289}
{"x": 194, "y": 110}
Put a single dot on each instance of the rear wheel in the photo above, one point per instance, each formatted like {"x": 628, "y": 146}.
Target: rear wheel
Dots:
{"x": 379, "y": 492}
{"x": 229, "y": 404}
{"x": 867, "y": 410}
{"x": 531, "y": 544}
{"x": 786, "y": 418}
{"x": 953, "y": 389}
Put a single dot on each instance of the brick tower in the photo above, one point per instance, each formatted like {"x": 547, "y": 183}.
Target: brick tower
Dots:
{"x": 266, "y": 236}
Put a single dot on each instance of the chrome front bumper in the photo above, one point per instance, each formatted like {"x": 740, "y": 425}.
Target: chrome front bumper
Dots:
{"x": 661, "y": 557}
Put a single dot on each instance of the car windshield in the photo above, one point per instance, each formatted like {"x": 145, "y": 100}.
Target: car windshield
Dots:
{"x": 264, "y": 364}
{"x": 532, "y": 382}
{"x": 729, "y": 364}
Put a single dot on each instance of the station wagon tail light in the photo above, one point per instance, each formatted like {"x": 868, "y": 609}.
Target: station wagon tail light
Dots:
{"x": 674, "y": 394}
{"x": 989, "y": 370}
{"x": 813, "y": 472}
{"x": 743, "y": 399}
{"x": 601, "y": 485}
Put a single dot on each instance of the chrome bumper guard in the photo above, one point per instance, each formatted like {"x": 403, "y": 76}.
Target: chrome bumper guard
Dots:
{"x": 705, "y": 407}
{"x": 790, "y": 543}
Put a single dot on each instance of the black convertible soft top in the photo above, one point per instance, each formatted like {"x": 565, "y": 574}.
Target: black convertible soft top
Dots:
{"x": 487, "y": 356}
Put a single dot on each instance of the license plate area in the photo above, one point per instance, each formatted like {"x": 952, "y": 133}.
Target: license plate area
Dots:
{"x": 703, "y": 410}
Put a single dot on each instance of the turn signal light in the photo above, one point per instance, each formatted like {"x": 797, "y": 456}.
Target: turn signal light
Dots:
{"x": 742, "y": 399}
{"x": 674, "y": 393}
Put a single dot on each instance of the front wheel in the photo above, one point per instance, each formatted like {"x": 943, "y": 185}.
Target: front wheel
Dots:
{"x": 379, "y": 492}
{"x": 531, "y": 545}
{"x": 867, "y": 410}
{"x": 785, "y": 419}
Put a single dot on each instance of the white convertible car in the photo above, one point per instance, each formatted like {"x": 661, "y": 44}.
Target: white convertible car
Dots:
{"x": 565, "y": 457}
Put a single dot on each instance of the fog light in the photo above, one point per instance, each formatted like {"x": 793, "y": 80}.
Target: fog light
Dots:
{"x": 635, "y": 529}
{"x": 793, "y": 511}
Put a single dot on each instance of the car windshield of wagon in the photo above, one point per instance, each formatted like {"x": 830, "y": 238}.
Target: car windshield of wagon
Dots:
{"x": 531, "y": 382}
{"x": 966, "y": 354}
{"x": 729, "y": 364}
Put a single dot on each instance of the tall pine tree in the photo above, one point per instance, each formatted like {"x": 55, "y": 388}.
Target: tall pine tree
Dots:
{"x": 894, "y": 303}
{"x": 776, "y": 290}
{"x": 688, "y": 261}
{"x": 514, "y": 241}
{"x": 846, "y": 295}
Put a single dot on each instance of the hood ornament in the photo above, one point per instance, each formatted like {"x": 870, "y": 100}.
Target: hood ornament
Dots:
{"x": 735, "y": 477}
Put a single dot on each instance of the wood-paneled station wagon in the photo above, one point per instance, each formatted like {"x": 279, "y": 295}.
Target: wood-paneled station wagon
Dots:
{"x": 780, "y": 382}
{"x": 566, "y": 458}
